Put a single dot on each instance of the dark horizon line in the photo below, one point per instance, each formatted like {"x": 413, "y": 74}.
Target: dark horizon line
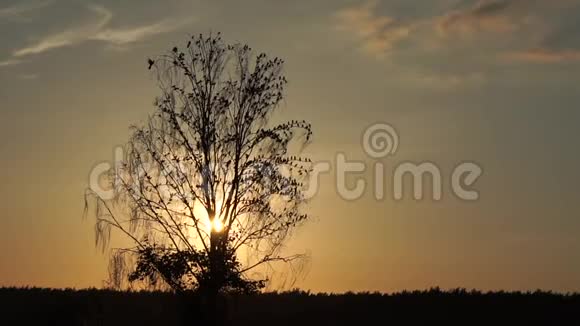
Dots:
{"x": 298, "y": 291}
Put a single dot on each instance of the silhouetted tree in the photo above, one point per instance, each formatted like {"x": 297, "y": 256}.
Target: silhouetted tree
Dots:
{"x": 207, "y": 177}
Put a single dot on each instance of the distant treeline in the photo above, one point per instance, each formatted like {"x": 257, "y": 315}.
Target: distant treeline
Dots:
{"x": 28, "y": 306}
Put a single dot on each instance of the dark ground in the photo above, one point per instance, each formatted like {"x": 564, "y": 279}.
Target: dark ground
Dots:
{"x": 434, "y": 307}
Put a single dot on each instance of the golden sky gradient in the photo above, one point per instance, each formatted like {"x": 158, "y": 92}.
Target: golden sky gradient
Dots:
{"x": 490, "y": 81}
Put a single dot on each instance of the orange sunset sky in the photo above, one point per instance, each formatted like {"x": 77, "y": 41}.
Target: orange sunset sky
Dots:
{"x": 496, "y": 82}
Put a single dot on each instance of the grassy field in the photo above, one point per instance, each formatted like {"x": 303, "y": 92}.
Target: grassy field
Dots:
{"x": 33, "y": 306}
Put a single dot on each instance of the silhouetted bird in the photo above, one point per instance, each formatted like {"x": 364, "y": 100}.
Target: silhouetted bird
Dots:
{"x": 151, "y": 62}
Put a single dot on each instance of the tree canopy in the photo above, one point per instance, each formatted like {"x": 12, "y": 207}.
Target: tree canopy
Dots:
{"x": 208, "y": 177}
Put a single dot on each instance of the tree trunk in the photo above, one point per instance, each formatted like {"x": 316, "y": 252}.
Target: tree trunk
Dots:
{"x": 214, "y": 308}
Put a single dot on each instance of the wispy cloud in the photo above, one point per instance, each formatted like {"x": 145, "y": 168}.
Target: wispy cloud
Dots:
{"x": 524, "y": 31}
{"x": 97, "y": 30}
{"x": 124, "y": 36}
{"x": 10, "y": 62}
{"x": 485, "y": 15}
{"x": 18, "y": 10}
{"x": 379, "y": 33}
{"x": 71, "y": 36}
{"x": 544, "y": 56}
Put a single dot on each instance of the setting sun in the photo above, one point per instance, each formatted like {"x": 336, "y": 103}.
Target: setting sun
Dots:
{"x": 210, "y": 225}
{"x": 217, "y": 225}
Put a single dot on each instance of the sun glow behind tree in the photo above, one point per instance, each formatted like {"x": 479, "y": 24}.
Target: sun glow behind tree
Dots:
{"x": 208, "y": 177}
